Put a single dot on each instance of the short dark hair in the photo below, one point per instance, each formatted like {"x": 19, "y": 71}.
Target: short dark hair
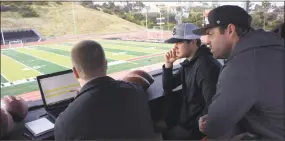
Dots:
{"x": 198, "y": 42}
{"x": 241, "y": 31}
{"x": 89, "y": 57}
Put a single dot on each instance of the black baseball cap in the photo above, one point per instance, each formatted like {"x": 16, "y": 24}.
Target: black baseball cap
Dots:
{"x": 225, "y": 15}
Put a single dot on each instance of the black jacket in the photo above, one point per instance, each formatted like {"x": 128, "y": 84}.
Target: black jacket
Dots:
{"x": 251, "y": 90}
{"x": 198, "y": 78}
{"x": 106, "y": 109}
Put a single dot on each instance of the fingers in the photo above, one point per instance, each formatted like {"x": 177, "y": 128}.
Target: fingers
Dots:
{"x": 202, "y": 122}
{"x": 202, "y": 126}
{"x": 173, "y": 53}
{"x": 72, "y": 90}
{"x": 167, "y": 55}
{"x": 75, "y": 90}
{"x": 170, "y": 55}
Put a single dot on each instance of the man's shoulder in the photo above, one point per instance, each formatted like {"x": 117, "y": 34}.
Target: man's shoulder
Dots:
{"x": 208, "y": 62}
{"x": 242, "y": 59}
{"x": 240, "y": 65}
{"x": 127, "y": 85}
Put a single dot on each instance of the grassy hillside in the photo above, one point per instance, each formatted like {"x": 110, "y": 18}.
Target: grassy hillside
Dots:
{"x": 57, "y": 19}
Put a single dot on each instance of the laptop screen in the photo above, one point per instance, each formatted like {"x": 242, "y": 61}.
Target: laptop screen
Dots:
{"x": 57, "y": 87}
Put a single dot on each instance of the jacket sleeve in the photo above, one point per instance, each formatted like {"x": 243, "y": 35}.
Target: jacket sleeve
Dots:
{"x": 236, "y": 95}
{"x": 58, "y": 129}
{"x": 169, "y": 80}
{"x": 207, "y": 80}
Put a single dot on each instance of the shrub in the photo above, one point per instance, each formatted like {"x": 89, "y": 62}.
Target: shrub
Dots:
{"x": 29, "y": 12}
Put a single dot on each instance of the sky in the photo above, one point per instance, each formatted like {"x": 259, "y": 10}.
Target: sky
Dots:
{"x": 153, "y": 7}
{"x": 242, "y": 4}
{"x": 196, "y": 3}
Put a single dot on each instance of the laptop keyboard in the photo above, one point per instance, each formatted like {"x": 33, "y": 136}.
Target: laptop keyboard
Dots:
{"x": 58, "y": 110}
{"x": 55, "y": 113}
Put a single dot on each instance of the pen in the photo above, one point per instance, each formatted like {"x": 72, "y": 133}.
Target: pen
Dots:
{"x": 27, "y": 135}
{"x": 43, "y": 115}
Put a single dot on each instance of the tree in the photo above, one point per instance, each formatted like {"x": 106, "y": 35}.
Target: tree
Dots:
{"x": 111, "y": 5}
{"x": 266, "y": 6}
{"x": 195, "y": 18}
{"x": 139, "y": 6}
{"x": 87, "y": 4}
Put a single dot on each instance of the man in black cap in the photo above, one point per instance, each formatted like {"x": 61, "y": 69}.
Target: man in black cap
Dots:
{"x": 251, "y": 86}
{"x": 198, "y": 76}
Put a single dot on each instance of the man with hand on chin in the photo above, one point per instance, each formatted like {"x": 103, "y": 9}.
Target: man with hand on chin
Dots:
{"x": 198, "y": 76}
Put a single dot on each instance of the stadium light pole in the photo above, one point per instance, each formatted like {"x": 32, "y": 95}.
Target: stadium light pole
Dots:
{"x": 74, "y": 23}
{"x": 167, "y": 18}
{"x": 146, "y": 19}
{"x": 160, "y": 18}
{"x": 247, "y": 6}
{"x": 2, "y": 37}
{"x": 147, "y": 8}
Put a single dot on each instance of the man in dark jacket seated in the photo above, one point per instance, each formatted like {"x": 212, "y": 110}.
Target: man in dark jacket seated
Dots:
{"x": 250, "y": 90}
{"x": 198, "y": 76}
{"x": 104, "y": 108}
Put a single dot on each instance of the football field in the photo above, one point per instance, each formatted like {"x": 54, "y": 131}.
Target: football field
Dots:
{"x": 20, "y": 66}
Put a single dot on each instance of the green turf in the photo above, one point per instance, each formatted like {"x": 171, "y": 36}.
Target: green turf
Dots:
{"x": 68, "y": 44}
{"x": 134, "y": 48}
{"x": 115, "y": 49}
{"x": 29, "y": 87}
{"x": 51, "y": 57}
{"x": 135, "y": 64}
{"x": 110, "y": 55}
{"x": 130, "y": 43}
{"x": 59, "y": 54}
{"x": 135, "y": 53}
{"x": 60, "y": 51}
{"x": 3, "y": 80}
{"x": 35, "y": 63}
{"x": 14, "y": 70}
{"x": 119, "y": 55}
{"x": 53, "y": 50}
{"x": 137, "y": 44}
{"x": 20, "y": 89}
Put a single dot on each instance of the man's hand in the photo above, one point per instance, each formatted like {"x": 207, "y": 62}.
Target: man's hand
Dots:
{"x": 202, "y": 122}
{"x": 170, "y": 58}
{"x": 76, "y": 90}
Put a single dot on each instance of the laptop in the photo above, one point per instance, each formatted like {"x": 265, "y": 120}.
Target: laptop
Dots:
{"x": 56, "y": 91}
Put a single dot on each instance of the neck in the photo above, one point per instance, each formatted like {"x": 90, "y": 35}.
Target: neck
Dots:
{"x": 82, "y": 82}
{"x": 234, "y": 44}
{"x": 193, "y": 52}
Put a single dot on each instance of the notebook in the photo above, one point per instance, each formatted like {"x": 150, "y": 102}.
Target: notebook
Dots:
{"x": 40, "y": 126}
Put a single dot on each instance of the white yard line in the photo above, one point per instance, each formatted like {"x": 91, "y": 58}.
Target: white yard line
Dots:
{"x": 5, "y": 78}
{"x": 50, "y": 52}
{"x": 22, "y": 64}
{"x": 46, "y": 60}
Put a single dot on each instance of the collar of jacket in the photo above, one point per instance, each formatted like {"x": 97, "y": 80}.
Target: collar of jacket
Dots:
{"x": 202, "y": 50}
{"x": 93, "y": 83}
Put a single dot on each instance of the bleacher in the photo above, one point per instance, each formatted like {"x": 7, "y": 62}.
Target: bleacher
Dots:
{"x": 26, "y": 35}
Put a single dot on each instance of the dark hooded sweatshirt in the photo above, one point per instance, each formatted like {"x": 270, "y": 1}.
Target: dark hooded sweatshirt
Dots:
{"x": 251, "y": 90}
{"x": 198, "y": 78}
{"x": 106, "y": 109}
